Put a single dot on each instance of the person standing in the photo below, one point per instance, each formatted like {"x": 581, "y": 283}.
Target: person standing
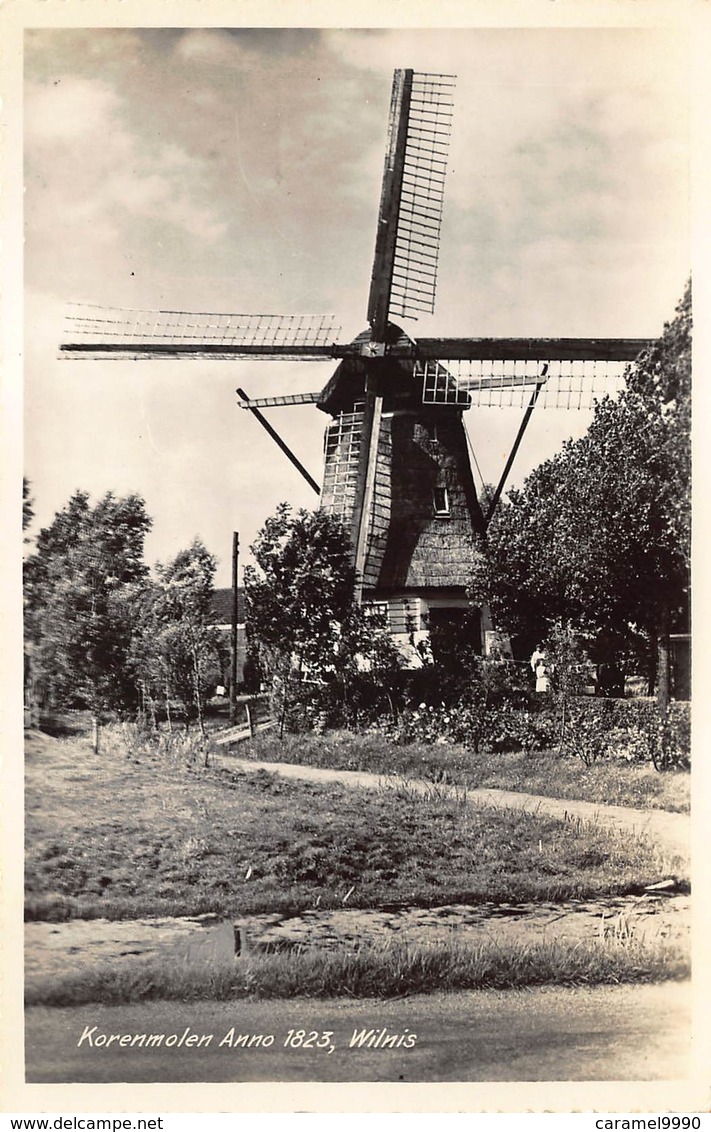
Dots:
{"x": 541, "y": 670}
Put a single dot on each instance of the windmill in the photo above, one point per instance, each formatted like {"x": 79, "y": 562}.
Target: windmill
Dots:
{"x": 396, "y": 467}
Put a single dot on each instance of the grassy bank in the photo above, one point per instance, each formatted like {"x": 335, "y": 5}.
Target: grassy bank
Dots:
{"x": 542, "y": 772}
{"x": 131, "y": 833}
{"x": 387, "y": 971}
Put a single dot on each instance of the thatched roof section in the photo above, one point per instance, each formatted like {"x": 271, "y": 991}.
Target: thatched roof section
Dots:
{"x": 425, "y": 549}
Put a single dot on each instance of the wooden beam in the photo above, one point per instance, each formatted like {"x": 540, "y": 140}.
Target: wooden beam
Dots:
{"x": 365, "y": 482}
{"x": 281, "y": 443}
{"x": 280, "y": 402}
{"x": 134, "y": 350}
{"x": 512, "y": 455}
{"x": 425, "y": 349}
{"x": 533, "y": 349}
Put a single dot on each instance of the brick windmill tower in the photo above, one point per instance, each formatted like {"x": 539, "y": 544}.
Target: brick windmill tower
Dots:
{"x": 396, "y": 467}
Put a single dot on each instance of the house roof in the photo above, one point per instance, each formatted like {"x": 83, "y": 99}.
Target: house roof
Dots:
{"x": 222, "y": 605}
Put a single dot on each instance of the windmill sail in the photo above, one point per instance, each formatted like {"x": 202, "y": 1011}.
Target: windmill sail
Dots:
{"x": 507, "y": 383}
{"x": 342, "y": 457}
{"x": 419, "y": 221}
{"x": 502, "y": 383}
{"x": 533, "y": 349}
{"x": 97, "y": 332}
{"x": 278, "y": 401}
{"x": 404, "y": 276}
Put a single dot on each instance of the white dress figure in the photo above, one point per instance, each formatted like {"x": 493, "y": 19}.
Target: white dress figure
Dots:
{"x": 539, "y": 664}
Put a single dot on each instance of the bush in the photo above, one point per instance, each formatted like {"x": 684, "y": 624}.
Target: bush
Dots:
{"x": 366, "y": 699}
{"x": 587, "y": 729}
{"x": 672, "y": 749}
{"x": 496, "y": 682}
{"x": 497, "y": 712}
{"x": 137, "y": 740}
{"x": 633, "y": 730}
{"x": 358, "y": 703}
{"x": 524, "y": 730}
{"x": 478, "y": 726}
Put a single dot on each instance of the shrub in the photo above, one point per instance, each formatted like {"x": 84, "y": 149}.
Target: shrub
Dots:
{"x": 634, "y": 730}
{"x": 137, "y": 740}
{"x": 587, "y": 730}
{"x": 526, "y": 730}
{"x": 498, "y": 712}
{"x": 356, "y": 703}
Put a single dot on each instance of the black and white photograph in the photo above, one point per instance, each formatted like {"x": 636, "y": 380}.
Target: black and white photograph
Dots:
{"x": 356, "y": 525}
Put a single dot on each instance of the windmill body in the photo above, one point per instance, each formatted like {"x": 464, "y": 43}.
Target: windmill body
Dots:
{"x": 396, "y": 465}
{"x": 424, "y": 525}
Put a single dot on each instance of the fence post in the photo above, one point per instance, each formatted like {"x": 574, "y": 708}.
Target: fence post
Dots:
{"x": 250, "y": 718}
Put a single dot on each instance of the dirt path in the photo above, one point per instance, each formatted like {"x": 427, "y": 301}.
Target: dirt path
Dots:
{"x": 542, "y": 1034}
{"x": 669, "y": 832}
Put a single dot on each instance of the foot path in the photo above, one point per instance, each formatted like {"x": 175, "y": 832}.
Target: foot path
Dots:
{"x": 669, "y": 832}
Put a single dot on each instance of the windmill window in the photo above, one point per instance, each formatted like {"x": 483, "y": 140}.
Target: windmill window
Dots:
{"x": 376, "y": 614}
{"x": 441, "y": 501}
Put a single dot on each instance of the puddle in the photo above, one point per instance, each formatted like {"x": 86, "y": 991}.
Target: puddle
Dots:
{"x": 55, "y": 949}
{"x": 647, "y": 918}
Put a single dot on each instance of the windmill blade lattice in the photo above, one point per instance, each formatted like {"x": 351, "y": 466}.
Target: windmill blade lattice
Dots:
{"x": 96, "y": 332}
{"x": 414, "y": 282}
{"x": 508, "y": 383}
{"x": 279, "y": 401}
{"x": 342, "y": 450}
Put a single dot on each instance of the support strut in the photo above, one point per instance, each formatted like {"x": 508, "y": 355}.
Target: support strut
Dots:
{"x": 278, "y": 440}
{"x": 517, "y": 442}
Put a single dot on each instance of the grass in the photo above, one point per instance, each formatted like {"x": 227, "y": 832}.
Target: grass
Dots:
{"x": 131, "y": 832}
{"x": 387, "y": 971}
{"x": 557, "y": 776}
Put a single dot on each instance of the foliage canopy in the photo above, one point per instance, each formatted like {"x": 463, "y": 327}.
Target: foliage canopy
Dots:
{"x": 303, "y": 616}
{"x": 87, "y": 564}
{"x": 599, "y": 536}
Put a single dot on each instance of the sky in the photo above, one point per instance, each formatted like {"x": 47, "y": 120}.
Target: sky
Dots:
{"x": 239, "y": 171}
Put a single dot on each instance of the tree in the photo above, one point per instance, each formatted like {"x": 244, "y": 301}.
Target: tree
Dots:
{"x": 302, "y": 614}
{"x": 28, "y": 512}
{"x": 599, "y": 536}
{"x": 177, "y": 650}
{"x": 301, "y": 597}
{"x": 80, "y": 586}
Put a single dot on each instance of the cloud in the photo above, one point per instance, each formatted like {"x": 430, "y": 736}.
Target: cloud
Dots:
{"x": 95, "y": 181}
{"x": 499, "y": 56}
{"x": 214, "y": 47}
{"x": 66, "y": 109}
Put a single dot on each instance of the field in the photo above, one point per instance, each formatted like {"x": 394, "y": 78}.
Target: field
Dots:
{"x": 134, "y": 831}
{"x": 129, "y": 832}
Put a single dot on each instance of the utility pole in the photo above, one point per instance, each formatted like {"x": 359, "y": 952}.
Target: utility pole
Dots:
{"x": 235, "y": 610}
